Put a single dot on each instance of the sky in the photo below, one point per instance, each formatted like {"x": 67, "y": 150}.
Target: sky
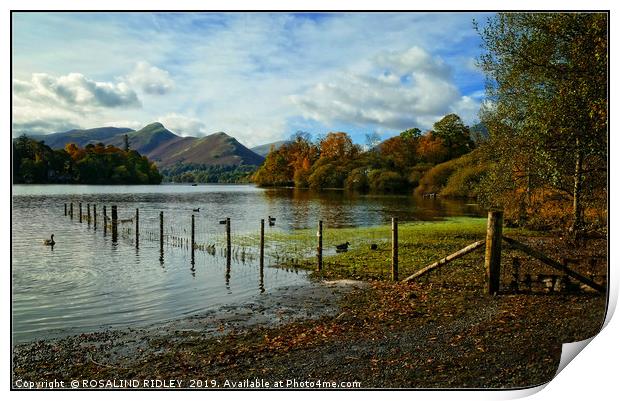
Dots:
{"x": 259, "y": 77}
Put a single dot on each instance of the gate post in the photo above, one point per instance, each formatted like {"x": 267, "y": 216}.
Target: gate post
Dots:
{"x": 493, "y": 254}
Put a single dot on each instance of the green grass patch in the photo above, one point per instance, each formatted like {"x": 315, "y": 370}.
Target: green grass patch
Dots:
{"x": 420, "y": 243}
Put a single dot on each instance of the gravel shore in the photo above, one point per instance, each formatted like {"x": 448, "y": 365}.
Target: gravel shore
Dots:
{"x": 376, "y": 334}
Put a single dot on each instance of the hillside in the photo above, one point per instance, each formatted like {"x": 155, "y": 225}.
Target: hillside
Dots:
{"x": 215, "y": 149}
{"x": 263, "y": 150}
{"x": 81, "y": 137}
{"x": 161, "y": 145}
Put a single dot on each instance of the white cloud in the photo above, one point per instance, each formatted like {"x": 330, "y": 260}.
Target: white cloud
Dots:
{"x": 183, "y": 125}
{"x": 135, "y": 125}
{"x": 46, "y": 103}
{"x": 76, "y": 91}
{"x": 400, "y": 91}
{"x": 150, "y": 79}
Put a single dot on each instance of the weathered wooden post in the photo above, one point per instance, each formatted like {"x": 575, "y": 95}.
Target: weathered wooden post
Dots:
{"x": 95, "y": 216}
{"x": 137, "y": 227}
{"x": 71, "y": 210}
{"x": 80, "y": 212}
{"x": 114, "y": 223}
{"x": 394, "y": 249}
{"x": 493, "y": 254}
{"x": 88, "y": 213}
{"x": 65, "y": 209}
{"x": 193, "y": 238}
{"x": 228, "y": 246}
{"x": 319, "y": 248}
{"x": 161, "y": 232}
{"x": 262, "y": 244}
{"x": 105, "y": 221}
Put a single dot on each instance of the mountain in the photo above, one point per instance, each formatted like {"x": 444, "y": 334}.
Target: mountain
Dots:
{"x": 80, "y": 137}
{"x": 161, "y": 145}
{"x": 263, "y": 150}
{"x": 215, "y": 149}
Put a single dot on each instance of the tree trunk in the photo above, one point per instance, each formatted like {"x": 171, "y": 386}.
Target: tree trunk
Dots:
{"x": 577, "y": 192}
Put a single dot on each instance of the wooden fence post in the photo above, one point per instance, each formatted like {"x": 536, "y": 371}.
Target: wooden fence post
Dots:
{"x": 80, "y": 212}
{"x": 193, "y": 238}
{"x": 262, "y": 242}
{"x": 88, "y": 213}
{"x": 94, "y": 216}
{"x": 161, "y": 232}
{"x": 228, "y": 245}
{"x": 493, "y": 254}
{"x": 394, "y": 249}
{"x": 114, "y": 223}
{"x": 105, "y": 221}
{"x": 319, "y": 248}
{"x": 137, "y": 227}
{"x": 65, "y": 209}
{"x": 71, "y": 210}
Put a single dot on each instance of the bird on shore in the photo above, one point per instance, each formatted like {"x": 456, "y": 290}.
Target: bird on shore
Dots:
{"x": 343, "y": 247}
{"x": 49, "y": 242}
{"x": 373, "y": 247}
{"x": 196, "y": 210}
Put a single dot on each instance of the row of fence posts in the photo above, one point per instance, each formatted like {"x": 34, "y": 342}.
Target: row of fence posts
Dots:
{"x": 114, "y": 226}
{"x": 492, "y": 254}
{"x": 492, "y": 260}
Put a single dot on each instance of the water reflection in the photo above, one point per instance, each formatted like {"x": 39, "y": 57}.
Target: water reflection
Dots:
{"x": 302, "y": 208}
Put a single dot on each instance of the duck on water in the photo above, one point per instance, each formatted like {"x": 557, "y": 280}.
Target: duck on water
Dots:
{"x": 49, "y": 242}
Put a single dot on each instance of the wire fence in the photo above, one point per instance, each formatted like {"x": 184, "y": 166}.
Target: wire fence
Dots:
{"x": 374, "y": 247}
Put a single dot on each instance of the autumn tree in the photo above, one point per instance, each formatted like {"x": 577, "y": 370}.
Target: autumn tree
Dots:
{"x": 338, "y": 145}
{"x": 547, "y": 87}
{"x": 275, "y": 170}
{"x": 301, "y": 154}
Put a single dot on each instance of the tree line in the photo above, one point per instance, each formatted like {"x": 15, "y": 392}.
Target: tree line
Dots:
{"x": 334, "y": 161}
{"x": 36, "y": 163}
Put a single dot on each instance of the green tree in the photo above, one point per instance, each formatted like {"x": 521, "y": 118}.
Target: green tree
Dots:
{"x": 454, "y": 134}
{"x": 411, "y": 133}
{"x": 547, "y": 86}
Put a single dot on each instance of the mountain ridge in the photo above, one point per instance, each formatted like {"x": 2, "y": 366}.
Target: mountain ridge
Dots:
{"x": 161, "y": 145}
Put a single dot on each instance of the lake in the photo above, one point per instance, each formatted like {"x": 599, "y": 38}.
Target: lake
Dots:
{"x": 88, "y": 282}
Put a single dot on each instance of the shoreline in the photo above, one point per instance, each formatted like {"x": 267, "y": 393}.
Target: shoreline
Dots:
{"x": 318, "y": 299}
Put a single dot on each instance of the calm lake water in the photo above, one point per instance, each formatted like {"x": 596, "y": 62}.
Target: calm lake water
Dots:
{"x": 89, "y": 282}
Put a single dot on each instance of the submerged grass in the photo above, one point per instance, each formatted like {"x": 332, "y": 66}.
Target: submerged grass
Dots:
{"x": 420, "y": 243}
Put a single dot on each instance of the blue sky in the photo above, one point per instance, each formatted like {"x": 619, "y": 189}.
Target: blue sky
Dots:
{"x": 257, "y": 76}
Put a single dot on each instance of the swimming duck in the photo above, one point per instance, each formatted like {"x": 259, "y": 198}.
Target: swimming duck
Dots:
{"x": 196, "y": 210}
{"x": 343, "y": 247}
{"x": 49, "y": 242}
{"x": 271, "y": 220}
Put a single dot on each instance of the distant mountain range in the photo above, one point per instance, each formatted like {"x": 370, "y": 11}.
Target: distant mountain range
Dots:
{"x": 162, "y": 146}
{"x": 263, "y": 150}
